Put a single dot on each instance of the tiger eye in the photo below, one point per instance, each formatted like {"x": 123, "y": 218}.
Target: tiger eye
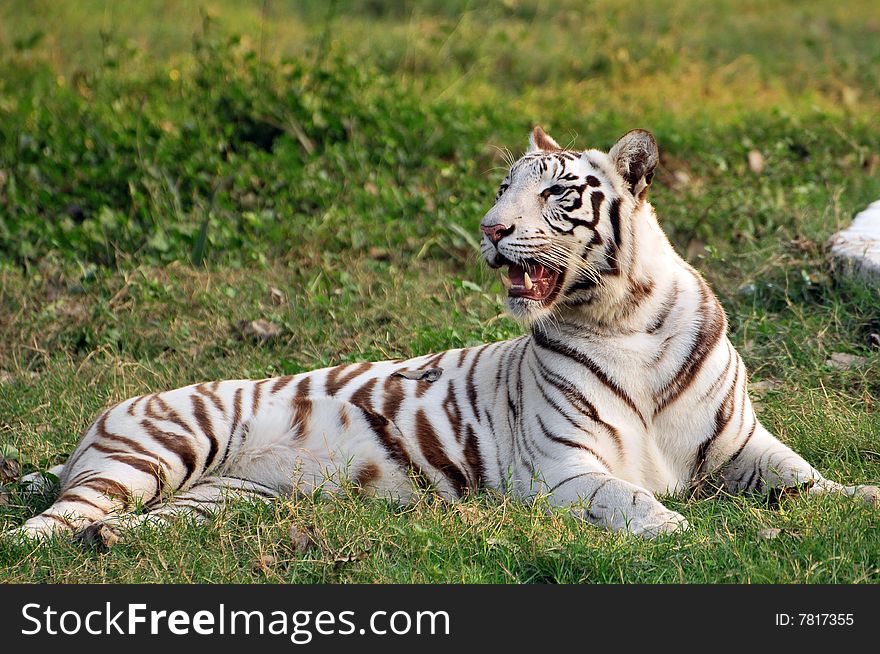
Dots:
{"x": 552, "y": 190}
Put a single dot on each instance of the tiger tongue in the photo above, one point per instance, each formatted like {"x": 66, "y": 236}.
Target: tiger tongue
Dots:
{"x": 516, "y": 274}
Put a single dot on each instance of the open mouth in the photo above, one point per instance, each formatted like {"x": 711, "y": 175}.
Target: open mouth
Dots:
{"x": 531, "y": 281}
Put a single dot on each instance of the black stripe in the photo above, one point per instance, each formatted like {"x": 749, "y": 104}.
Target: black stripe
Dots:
{"x": 176, "y": 444}
{"x": 711, "y": 331}
{"x": 435, "y": 454}
{"x": 474, "y": 458}
{"x": 665, "y": 310}
{"x": 596, "y": 199}
{"x": 613, "y": 249}
{"x": 745, "y": 442}
{"x": 554, "y": 346}
{"x": 577, "y": 476}
{"x": 236, "y": 417}
{"x": 572, "y": 444}
{"x": 200, "y": 411}
{"x": 723, "y": 416}
{"x": 580, "y": 403}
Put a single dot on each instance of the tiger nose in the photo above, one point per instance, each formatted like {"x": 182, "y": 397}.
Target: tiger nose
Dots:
{"x": 496, "y": 232}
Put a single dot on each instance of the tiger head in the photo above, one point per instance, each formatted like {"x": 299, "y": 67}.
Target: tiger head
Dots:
{"x": 560, "y": 221}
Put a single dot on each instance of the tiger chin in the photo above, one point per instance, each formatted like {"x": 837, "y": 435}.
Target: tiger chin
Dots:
{"x": 625, "y": 387}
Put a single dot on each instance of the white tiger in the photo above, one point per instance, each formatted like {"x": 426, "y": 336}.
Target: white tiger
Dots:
{"x": 625, "y": 387}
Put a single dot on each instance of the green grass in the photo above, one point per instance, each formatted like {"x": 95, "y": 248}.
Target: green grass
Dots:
{"x": 162, "y": 167}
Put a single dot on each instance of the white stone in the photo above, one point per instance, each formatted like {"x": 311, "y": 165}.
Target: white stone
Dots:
{"x": 856, "y": 249}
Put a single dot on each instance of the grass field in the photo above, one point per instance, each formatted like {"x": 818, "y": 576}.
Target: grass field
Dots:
{"x": 172, "y": 171}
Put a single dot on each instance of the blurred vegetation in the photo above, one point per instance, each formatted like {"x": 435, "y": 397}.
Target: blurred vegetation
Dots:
{"x": 151, "y": 134}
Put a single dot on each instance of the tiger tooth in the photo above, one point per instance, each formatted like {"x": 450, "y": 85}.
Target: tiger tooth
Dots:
{"x": 505, "y": 280}
{"x": 527, "y": 281}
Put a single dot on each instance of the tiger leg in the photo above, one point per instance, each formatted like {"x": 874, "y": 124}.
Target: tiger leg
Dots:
{"x": 604, "y": 500}
{"x": 37, "y": 483}
{"x": 200, "y": 502}
{"x": 91, "y": 497}
{"x": 94, "y": 485}
{"x": 132, "y": 455}
{"x": 763, "y": 463}
{"x": 41, "y": 482}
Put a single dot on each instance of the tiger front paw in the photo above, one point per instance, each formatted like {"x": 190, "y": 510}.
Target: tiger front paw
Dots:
{"x": 98, "y": 535}
{"x": 660, "y": 523}
{"x": 869, "y": 494}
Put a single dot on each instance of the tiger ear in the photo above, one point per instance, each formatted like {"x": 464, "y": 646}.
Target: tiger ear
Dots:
{"x": 540, "y": 141}
{"x": 636, "y": 156}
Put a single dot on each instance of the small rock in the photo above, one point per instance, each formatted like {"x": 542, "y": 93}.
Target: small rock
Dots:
{"x": 260, "y": 329}
{"x": 276, "y": 297}
{"x": 756, "y": 162}
{"x": 870, "y": 494}
{"x": 849, "y": 96}
{"x": 803, "y": 244}
{"x": 98, "y": 535}
{"x": 761, "y": 387}
{"x": 695, "y": 249}
{"x": 681, "y": 178}
{"x": 301, "y": 540}
{"x": 874, "y": 339}
{"x": 264, "y": 563}
{"x": 747, "y": 289}
{"x": 872, "y": 163}
{"x": 379, "y": 253}
{"x": 469, "y": 514}
{"x": 72, "y": 310}
{"x": 9, "y": 469}
{"x": 844, "y": 361}
{"x": 855, "y": 251}
{"x": 769, "y": 534}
